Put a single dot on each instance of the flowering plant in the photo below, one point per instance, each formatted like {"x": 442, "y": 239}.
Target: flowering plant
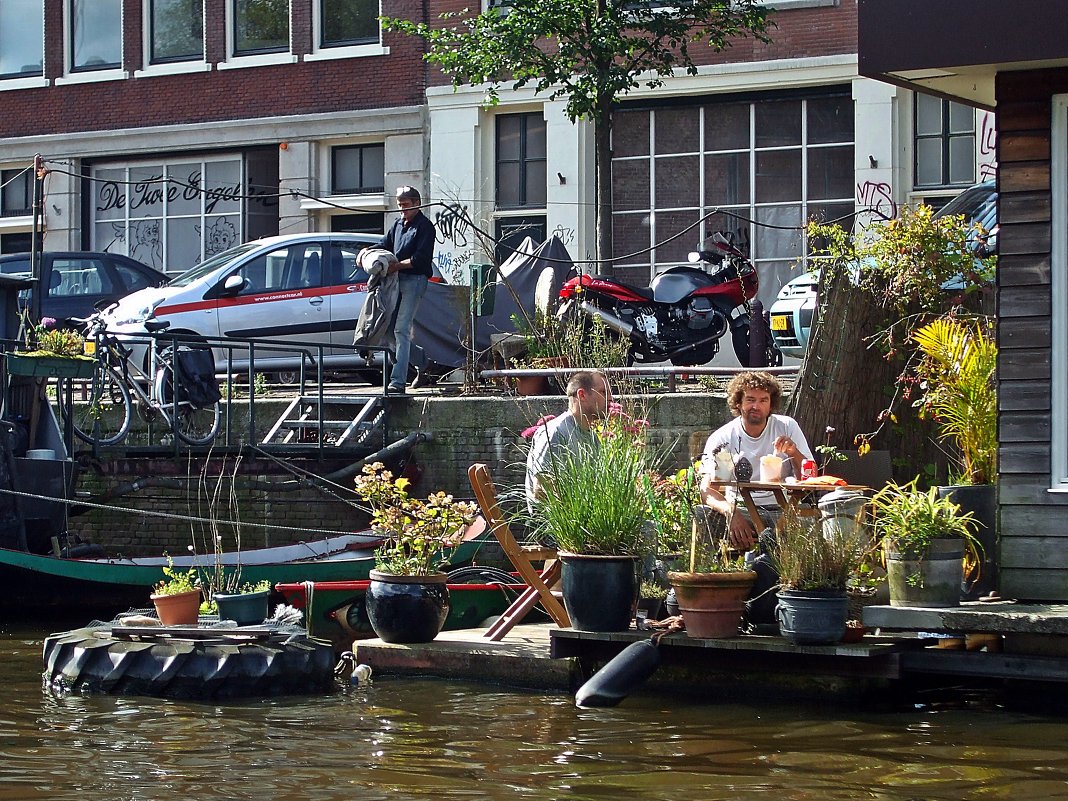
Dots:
{"x": 419, "y": 534}
{"x": 176, "y": 581}
{"x": 48, "y": 339}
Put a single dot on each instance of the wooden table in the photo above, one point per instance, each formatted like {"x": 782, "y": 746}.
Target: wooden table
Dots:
{"x": 786, "y": 495}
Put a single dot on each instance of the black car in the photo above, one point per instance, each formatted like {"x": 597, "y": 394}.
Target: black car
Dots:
{"x": 77, "y": 283}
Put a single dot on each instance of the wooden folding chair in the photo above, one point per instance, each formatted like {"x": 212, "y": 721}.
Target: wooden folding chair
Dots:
{"x": 521, "y": 556}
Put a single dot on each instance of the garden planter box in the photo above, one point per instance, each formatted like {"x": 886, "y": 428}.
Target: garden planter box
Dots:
{"x": 50, "y": 366}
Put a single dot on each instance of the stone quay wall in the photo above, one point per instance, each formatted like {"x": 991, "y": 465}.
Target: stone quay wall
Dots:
{"x": 464, "y": 430}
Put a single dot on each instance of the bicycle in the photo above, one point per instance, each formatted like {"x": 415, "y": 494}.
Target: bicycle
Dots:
{"x": 118, "y": 383}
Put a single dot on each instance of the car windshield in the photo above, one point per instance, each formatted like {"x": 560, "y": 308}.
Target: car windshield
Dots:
{"x": 211, "y": 265}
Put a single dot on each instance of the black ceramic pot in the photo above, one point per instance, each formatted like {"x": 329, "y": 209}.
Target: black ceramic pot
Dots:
{"x": 407, "y": 609}
{"x": 599, "y": 591}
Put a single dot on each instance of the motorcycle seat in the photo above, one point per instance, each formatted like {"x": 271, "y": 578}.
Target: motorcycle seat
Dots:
{"x": 644, "y": 291}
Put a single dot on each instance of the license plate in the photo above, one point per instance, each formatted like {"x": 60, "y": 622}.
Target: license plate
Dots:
{"x": 780, "y": 322}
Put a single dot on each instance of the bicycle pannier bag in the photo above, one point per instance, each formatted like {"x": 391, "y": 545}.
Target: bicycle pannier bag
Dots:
{"x": 195, "y": 371}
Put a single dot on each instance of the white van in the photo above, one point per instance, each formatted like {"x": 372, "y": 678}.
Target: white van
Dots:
{"x": 297, "y": 288}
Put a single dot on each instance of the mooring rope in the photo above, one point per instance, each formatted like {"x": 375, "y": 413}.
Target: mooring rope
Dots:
{"x": 172, "y": 515}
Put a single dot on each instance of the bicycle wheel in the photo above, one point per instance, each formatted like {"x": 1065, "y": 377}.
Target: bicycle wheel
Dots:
{"x": 193, "y": 424}
{"x": 103, "y": 419}
{"x": 197, "y": 426}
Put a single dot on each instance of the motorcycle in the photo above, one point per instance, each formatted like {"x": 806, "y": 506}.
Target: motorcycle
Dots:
{"x": 683, "y": 314}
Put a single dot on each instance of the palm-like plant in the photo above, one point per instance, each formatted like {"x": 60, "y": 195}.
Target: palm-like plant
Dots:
{"x": 957, "y": 374}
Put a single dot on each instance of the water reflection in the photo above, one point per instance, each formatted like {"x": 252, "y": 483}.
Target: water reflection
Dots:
{"x": 426, "y": 739}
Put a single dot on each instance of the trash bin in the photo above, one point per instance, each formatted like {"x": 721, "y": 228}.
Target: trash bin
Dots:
{"x": 483, "y": 289}
{"x": 839, "y": 510}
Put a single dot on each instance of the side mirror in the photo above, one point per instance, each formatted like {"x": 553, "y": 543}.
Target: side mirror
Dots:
{"x": 234, "y": 284}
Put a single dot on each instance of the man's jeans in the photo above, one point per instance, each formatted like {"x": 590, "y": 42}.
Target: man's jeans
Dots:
{"x": 412, "y": 288}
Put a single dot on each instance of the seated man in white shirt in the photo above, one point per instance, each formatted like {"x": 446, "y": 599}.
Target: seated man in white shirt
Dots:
{"x": 755, "y": 431}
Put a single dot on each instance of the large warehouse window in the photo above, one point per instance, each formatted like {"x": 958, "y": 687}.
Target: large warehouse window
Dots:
{"x": 777, "y": 162}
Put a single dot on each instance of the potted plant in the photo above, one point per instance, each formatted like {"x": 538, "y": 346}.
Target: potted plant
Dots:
{"x": 925, "y": 539}
{"x": 177, "y": 596}
{"x": 544, "y": 346}
{"x": 407, "y": 600}
{"x": 711, "y": 593}
{"x": 651, "y": 597}
{"x": 594, "y": 510}
{"x": 52, "y": 353}
{"x": 816, "y": 558}
{"x": 246, "y": 606}
{"x": 956, "y": 377}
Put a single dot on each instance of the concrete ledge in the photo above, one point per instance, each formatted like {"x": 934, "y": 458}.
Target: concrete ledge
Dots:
{"x": 1001, "y": 617}
{"x": 520, "y": 660}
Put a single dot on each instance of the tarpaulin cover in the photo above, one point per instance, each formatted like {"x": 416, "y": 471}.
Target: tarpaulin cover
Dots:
{"x": 443, "y": 318}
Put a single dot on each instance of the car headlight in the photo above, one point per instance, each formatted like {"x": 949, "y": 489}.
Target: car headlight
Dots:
{"x": 136, "y": 318}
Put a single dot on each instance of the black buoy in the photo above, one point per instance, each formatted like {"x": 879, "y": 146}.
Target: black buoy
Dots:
{"x": 620, "y": 676}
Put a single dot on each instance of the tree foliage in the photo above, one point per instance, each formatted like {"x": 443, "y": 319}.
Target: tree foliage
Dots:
{"x": 590, "y": 51}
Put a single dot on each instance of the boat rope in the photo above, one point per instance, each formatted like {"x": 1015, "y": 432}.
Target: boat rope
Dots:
{"x": 172, "y": 515}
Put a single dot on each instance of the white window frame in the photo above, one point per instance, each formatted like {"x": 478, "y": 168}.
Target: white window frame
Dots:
{"x": 320, "y": 53}
{"x": 92, "y": 76}
{"x": 1059, "y": 296}
{"x": 236, "y": 62}
{"x": 149, "y": 70}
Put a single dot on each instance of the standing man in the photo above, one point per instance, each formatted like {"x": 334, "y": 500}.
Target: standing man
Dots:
{"x": 411, "y": 240}
{"x": 755, "y": 431}
{"x": 588, "y": 396}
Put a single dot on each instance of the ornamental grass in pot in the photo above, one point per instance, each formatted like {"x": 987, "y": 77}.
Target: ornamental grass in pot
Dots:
{"x": 928, "y": 543}
{"x": 407, "y": 600}
{"x": 816, "y": 558}
{"x": 594, "y": 509}
{"x": 711, "y": 593}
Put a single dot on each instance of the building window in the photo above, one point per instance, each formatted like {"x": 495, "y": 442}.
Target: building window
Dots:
{"x": 169, "y": 215}
{"x": 945, "y": 142}
{"x": 520, "y": 160}
{"x": 16, "y": 194}
{"x": 771, "y": 165}
{"x": 21, "y": 38}
{"x": 260, "y": 26}
{"x": 176, "y": 30}
{"x": 348, "y": 22}
{"x": 95, "y": 35}
{"x": 357, "y": 169}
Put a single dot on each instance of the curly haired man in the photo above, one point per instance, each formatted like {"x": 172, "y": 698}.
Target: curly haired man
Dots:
{"x": 755, "y": 431}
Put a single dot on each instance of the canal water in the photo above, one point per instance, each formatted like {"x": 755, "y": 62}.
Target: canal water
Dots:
{"x": 429, "y": 739}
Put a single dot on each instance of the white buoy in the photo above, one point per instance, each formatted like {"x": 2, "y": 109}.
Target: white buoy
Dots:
{"x": 361, "y": 674}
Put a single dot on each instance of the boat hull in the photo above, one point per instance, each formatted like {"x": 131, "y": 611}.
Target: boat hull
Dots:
{"x": 50, "y": 585}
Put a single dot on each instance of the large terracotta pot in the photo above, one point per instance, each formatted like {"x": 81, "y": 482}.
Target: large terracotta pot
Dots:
{"x": 180, "y": 609}
{"x": 711, "y": 604}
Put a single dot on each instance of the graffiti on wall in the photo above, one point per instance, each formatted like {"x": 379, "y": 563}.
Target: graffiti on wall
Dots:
{"x": 988, "y": 140}
{"x": 877, "y": 196}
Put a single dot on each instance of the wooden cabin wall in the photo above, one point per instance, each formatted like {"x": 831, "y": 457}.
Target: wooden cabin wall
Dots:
{"x": 1033, "y": 522}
